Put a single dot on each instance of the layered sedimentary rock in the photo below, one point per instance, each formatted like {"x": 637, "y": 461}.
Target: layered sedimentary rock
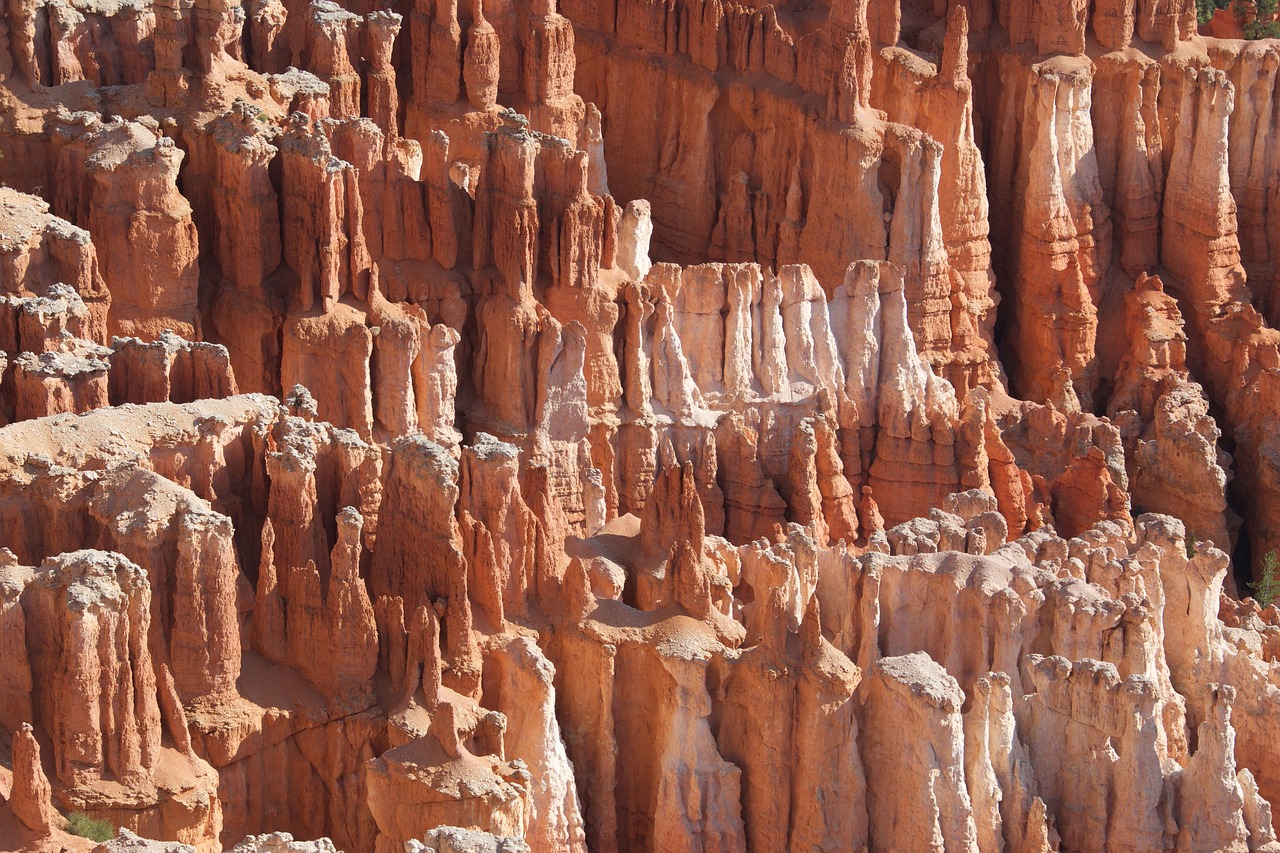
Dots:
{"x": 915, "y": 692}
{"x": 564, "y": 426}
{"x": 95, "y": 693}
{"x": 41, "y": 251}
{"x": 1172, "y": 442}
{"x": 119, "y": 181}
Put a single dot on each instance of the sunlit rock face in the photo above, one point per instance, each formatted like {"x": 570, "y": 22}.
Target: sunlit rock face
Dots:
{"x": 521, "y": 426}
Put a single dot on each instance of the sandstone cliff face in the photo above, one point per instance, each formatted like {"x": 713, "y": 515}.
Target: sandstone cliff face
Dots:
{"x": 1165, "y": 422}
{"x": 1048, "y": 192}
{"x": 119, "y": 181}
{"x": 94, "y": 692}
{"x": 693, "y": 425}
{"x": 41, "y": 250}
{"x": 915, "y": 691}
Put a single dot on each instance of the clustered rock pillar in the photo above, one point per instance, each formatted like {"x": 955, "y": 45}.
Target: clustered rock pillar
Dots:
{"x": 371, "y": 473}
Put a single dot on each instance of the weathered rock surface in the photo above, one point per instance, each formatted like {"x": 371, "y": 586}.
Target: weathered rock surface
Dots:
{"x": 695, "y": 425}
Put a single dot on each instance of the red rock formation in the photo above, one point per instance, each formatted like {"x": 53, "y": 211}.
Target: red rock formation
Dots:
{"x": 1115, "y": 709}
{"x": 809, "y": 715}
{"x": 1048, "y": 192}
{"x": 915, "y": 691}
{"x": 940, "y": 102}
{"x": 94, "y": 694}
{"x": 53, "y": 383}
{"x": 169, "y": 369}
{"x": 119, "y": 181}
{"x": 573, "y": 521}
{"x": 39, "y": 250}
{"x": 236, "y": 209}
{"x": 1177, "y": 467}
{"x": 72, "y": 599}
{"x": 905, "y": 414}
{"x": 30, "y": 797}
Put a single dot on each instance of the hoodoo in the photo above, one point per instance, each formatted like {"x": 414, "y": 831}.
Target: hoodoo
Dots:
{"x": 722, "y": 426}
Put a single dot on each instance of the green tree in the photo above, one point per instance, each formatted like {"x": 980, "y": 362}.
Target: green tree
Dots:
{"x": 1256, "y": 14}
{"x": 1267, "y": 590}
{"x": 1206, "y": 8}
{"x": 79, "y": 823}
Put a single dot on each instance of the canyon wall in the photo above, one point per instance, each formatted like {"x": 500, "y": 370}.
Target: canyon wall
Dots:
{"x": 624, "y": 425}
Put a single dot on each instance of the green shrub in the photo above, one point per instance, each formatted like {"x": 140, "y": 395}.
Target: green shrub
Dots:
{"x": 1257, "y": 17}
{"x": 1256, "y": 13}
{"x": 79, "y": 823}
{"x": 1205, "y": 9}
{"x": 1267, "y": 590}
